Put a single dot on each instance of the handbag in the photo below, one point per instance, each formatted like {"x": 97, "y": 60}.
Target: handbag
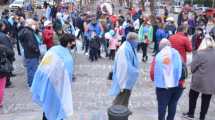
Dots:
{"x": 5, "y": 65}
{"x": 184, "y": 73}
{"x": 110, "y": 75}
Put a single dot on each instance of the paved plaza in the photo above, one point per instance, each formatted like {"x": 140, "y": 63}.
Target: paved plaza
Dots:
{"x": 90, "y": 94}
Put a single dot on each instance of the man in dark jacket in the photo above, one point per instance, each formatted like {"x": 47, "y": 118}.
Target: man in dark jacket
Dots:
{"x": 28, "y": 40}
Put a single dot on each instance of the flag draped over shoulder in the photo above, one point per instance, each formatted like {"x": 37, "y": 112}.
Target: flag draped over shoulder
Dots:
{"x": 125, "y": 69}
{"x": 168, "y": 68}
{"x": 51, "y": 87}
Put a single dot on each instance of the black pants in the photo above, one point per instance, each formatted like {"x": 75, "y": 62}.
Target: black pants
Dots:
{"x": 167, "y": 98}
{"x": 112, "y": 54}
{"x": 156, "y": 47}
{"x": 143, "y": 46}
{"x": 80, "y": 33}
{"x": 86, "y": 44}
{"x": 193, "y": 96}
{"x": 8, "y": 82}
{"x": 44, "y": 117}
{"x": 94, "y": 54}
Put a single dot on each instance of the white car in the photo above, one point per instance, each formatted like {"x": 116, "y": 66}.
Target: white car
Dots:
{"x": 17, "y": 4}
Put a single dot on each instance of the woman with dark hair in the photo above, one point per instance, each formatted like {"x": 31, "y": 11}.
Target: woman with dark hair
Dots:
{"x": 51, "y": 88}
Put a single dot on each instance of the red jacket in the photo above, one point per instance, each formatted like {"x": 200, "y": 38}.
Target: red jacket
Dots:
{"x": 48, "y": 35}
{"x": 181, "y": 43}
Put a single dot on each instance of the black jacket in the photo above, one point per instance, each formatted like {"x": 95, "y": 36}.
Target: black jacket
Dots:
{"x": 5, "y": 40}
{"x": 29, "y": 43}
{"x": 95, "y": 43}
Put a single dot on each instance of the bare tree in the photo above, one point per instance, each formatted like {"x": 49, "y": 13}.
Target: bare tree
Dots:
{"x": 152, "y": 8}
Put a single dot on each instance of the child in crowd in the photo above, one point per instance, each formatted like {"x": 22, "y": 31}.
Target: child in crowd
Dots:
{"x": 113, "y": 43}
{"x": 94, "y": 47}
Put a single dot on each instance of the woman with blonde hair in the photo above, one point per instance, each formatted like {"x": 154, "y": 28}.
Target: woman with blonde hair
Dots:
{"x": 203, "y": 75}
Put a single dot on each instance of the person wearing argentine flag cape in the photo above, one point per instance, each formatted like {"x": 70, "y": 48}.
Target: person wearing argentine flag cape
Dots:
{"x": 51, "y": 88}
{"x": 125, "y": 70}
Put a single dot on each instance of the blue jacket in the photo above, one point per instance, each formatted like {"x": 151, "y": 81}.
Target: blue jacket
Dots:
{"x": 95, "y": 28}
{"x": 160, "y": 34}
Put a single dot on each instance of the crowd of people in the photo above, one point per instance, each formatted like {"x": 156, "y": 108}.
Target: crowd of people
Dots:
{"x": 45, "y": 42}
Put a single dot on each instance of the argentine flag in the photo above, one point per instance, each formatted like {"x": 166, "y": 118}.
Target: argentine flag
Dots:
{"x": 51, "y": 87}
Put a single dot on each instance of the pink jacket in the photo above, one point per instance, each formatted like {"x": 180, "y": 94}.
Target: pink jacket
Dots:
{"x": 113, "y": 43}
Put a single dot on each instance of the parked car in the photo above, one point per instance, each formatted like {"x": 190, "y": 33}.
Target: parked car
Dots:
{"x": 16, "y": 4}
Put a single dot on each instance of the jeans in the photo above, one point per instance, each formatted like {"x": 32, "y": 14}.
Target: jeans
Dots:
{"x": 156, "y": 47}
{"x": 168, "y": 98}
{"x": 31, "y": 66}
{"x": 193, "y": 96}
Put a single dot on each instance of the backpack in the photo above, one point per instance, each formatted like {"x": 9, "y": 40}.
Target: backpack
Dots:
{"x": 184, "y": 73}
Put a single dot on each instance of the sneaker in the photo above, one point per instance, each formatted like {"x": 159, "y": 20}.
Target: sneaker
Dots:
{"x": 187, "y": 116}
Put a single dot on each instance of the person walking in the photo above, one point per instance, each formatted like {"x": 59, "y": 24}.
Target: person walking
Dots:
{"x": 203, "y": 75}
{"x": 125, "y": 70}
{"x": 51, "y": 87}
{"x": 181, "y": 42}
{"x": 166, "y": 70}
{"x": 144, "y": 34}
{"x": 28, "y": 40}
